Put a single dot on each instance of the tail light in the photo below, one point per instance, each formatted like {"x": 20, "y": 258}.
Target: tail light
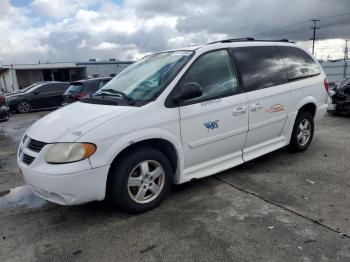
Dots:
{"x": 76, "y": 96}
{"x": 326, "y": 85}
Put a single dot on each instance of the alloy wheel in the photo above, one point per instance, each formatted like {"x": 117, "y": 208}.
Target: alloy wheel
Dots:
{"x": 304, "y": 132}
{"x": 24, "y": 107}
{"x": 146, "y": 181}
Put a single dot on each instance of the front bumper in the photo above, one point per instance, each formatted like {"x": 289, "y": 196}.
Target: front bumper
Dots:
{"x": 4, "y": 113}
{"x": 321, "y": 111}
{"x": 68, "y": 189}
{"x": 65, "y": 184}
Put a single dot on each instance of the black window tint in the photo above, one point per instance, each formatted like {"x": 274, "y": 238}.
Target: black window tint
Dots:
{"x": 44, "y": 88}
{"x": 261, "y": 66}
{"x": 102, "y": 83}
{"x": 214, "y": 72}
{"x": 91, "y": 87}
{"x": 299, "y": 63}
{"x": 62, "y": 87}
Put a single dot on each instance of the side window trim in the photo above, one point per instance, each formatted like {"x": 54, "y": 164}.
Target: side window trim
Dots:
{"x": 170, "y": 104}
{"x": 302, "y": 77}
{"x": 238, "y": 71}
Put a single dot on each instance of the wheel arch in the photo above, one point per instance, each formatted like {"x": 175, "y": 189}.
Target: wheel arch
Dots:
{"x": 309, "y": 108}
{"x": 166, "y": 143}
{"x": 308, "y": 104}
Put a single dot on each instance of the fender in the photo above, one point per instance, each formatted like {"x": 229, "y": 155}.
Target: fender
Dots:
{"x": 126, "y": 140}
{"x": 307, "y": 100}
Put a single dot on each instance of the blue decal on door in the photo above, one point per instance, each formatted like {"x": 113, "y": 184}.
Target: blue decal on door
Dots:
{"x": 212, "y": 124}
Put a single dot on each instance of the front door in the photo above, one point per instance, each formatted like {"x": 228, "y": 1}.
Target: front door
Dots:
{"x": 213, "y": 126}
{"x": 42, "y": 96}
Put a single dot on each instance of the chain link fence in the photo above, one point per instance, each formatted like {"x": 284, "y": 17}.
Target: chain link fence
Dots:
{"x": 336, "y": 70}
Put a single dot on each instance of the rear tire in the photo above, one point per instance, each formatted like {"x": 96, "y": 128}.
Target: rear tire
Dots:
{"x": 140, "y": 180}
{"x": 23, "y": 107}
{"x": 303, "y": 132}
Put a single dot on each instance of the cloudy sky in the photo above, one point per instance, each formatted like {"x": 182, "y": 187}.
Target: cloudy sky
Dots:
{"x": 66, "y": 30}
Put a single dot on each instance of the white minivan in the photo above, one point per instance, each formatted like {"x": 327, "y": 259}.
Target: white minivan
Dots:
{"x": 172, "y": 117}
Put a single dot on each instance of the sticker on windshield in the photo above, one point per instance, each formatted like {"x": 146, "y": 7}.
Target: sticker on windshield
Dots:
{"x": 182, "y": 53}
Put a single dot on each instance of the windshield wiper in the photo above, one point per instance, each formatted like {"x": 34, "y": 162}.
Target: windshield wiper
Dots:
{"x": 112, "y": 92}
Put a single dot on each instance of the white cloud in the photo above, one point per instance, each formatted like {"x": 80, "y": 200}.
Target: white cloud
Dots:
{"x": 59, "y": 8}
{"x": 106, "y": 46}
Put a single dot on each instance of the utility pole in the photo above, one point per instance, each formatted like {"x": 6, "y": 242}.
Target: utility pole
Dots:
{"x": 346, "y": 57}
{"x": 314, "y": 35}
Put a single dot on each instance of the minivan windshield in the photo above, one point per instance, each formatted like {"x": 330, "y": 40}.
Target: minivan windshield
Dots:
{"x": 143, "y": 80}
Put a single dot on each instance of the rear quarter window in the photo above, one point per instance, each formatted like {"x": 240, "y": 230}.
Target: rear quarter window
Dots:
{"x": 299, "y": 64}
{"x": 260, "y": 66}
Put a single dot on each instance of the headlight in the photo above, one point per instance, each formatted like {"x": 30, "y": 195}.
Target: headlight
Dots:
{"x": 69, "y": 152}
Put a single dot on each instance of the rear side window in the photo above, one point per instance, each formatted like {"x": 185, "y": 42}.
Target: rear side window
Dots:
{"x": 91, "y": 87}
{"x": 102, "y": 83}
{"x": 44, "y": 88}
{"x": 299, "y": 63}
{"x": 214, "y": 72}
{"x": 261, "y": 66}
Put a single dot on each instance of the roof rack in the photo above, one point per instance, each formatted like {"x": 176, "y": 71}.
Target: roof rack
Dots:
{"x": 248, "y": 39}
{"x": 233, "y": 40}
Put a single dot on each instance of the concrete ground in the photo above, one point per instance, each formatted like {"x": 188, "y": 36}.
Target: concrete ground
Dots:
{"x": 279, "y": 207}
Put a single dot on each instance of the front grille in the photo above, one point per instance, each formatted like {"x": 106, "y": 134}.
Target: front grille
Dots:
{"x": 35, "y": 145}
{"x": 31, "y": 144}
{"x": 27, "y": 159}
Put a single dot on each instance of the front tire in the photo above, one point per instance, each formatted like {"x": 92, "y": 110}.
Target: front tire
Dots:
{"x": 140, "y": 180}
{"x": 23, "y": 107}
{"x": 303, "y": 132}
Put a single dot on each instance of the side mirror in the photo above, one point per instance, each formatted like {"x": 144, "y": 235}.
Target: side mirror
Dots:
{"x": 188, "y": 91}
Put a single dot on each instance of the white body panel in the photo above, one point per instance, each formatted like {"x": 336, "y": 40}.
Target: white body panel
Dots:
{"x": 204, "y": 147}
{"x": 268, "y": 111}
{"x": 200, "y": 152}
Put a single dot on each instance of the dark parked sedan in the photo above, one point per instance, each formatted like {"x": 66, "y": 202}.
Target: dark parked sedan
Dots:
{"x": 339, "y": 101}
{"x": 79, "y": 89}
{"x": 4, "y": 110}
{"x": 41, "y": 95}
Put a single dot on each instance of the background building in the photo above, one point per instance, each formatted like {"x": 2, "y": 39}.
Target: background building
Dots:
{"x": 18, "y": 76}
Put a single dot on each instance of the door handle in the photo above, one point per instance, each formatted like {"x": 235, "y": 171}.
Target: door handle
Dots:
{"x": 239, "y": 110}
{"x": 256, "y": 106}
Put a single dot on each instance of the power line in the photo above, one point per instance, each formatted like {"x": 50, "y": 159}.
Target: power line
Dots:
{"x": 314, "y": 34}
{"x": 299, "y": 23}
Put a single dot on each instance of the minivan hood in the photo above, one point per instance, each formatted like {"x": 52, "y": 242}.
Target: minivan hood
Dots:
{"x": 72, "y": 121}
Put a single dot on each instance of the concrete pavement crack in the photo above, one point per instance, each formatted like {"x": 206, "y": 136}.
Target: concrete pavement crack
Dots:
{"x": 281, "y": 206}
